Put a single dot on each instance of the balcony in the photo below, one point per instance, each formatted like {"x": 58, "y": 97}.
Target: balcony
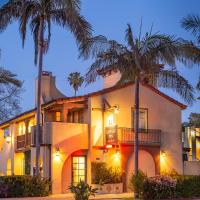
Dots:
{"x": 23, "y": 141}
{"x": 149, "y": 137}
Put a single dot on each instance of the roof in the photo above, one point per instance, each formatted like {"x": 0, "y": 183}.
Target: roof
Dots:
{"x": 100, "y": 92}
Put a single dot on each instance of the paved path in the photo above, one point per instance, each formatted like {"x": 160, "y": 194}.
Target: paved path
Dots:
{"x": 70, "y": 197}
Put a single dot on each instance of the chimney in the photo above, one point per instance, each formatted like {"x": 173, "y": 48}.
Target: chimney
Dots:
{"x": 110, "y": 76}
{"x": 49, "y": 89}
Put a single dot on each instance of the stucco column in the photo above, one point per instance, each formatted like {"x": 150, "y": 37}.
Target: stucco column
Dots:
{"x": 194, "y": 147}
{"x": 64, "y": 113}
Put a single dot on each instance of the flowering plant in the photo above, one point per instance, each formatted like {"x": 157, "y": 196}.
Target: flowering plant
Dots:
{"x": 159, "y": 187}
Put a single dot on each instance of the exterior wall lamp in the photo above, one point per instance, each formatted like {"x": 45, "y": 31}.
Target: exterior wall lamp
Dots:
{"x": 8, "y": 139}
{"x": 57, "y": 154}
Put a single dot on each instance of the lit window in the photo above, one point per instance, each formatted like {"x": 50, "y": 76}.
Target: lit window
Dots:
{"x": 8, "y": 172}
{"x": 79, "y": 169}
{"x": 58, "y": 116}
{"x": 21, "y": 128}
{"x": 30, "y": 124}
{"x": 110, "y": 120}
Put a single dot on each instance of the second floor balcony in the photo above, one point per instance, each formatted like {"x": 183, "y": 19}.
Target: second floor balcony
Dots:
{"x": 23, "y": 141}
{"x": 122, "y": 135}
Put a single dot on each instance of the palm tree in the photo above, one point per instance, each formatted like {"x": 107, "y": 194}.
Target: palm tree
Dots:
{"x": 75, "y": 80}
{"x": 139, "y": 61}
{"x": 39, "y": 15}
{"x": 191, "y": 23}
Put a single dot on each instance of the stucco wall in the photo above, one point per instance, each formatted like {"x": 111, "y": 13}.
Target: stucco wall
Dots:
{"x": 162, "y": 114}
{"x": 68, "y": 137}
{"x": 192, "y": 167}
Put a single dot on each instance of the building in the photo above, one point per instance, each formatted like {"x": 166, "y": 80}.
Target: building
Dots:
{"x": 191, "y": 150}
{"x": 76, "y": 131}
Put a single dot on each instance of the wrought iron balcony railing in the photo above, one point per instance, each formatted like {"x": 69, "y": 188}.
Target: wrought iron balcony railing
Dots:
{"x": 115, "y": 135}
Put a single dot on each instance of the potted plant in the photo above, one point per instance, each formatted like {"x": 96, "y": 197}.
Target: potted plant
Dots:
{"x": 82, "y": 191}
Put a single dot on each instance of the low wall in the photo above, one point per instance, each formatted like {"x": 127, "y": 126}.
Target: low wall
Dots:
{"x": 191, "y": 167}
{"x": 114, "y": 188}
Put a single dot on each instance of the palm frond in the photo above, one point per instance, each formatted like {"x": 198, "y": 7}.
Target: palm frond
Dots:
{"x": 7, "y": 77}
{"x": 9, "y": 12}
{"x": 198, "y": 84}
{"x": 192, "y": 23}
{"x": 129, "y": 37}
{"x": 176, "y": 82}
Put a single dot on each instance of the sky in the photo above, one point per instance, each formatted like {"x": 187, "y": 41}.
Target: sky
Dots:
{"x": 109, "y": 18}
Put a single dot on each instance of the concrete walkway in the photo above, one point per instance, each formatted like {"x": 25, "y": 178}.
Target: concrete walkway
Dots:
{"x": 70, "y": 197}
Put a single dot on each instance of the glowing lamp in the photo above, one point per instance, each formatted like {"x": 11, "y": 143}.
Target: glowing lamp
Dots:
{"x": 116, "y": 109}
{"x": 162, "y": 156}
{"x": 57, "y": 154}
{"x": 108, "y": 146}
{"x": 193, "y": 133}
{"x": 8, "y": 139}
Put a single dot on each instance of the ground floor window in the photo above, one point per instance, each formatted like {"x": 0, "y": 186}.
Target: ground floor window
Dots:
{"x": 78, "y": 169}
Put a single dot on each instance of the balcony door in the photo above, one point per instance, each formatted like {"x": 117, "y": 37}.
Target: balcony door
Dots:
{"x": 78, "y": 169}
{"x": 143, "y": 119}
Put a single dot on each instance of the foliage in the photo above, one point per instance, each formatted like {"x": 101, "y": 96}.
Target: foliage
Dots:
{"x": 102, "y": 174}
{"x": 194, "y": 119}
{"x": 10, "y": 90}
{"x": 159, "y": 187}
{"x": 82, "y": 191}
{"x": 191, "y": 23}
{"x": 75, "y": 80}
{"x": 33, "y": 13}
{"x": 187, "y": 186}
{"x": 24, "y": 186}
{"x": 140, "y": 58}
{"x": 137, "y": 182}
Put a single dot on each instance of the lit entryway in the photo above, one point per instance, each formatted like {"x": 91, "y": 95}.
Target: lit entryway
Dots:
{"x": 78, "y": 169}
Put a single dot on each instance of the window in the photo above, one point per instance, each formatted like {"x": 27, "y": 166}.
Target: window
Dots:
{"x": 58, "y": 116}
{"x": 21, "y": 128}
{"x": 78, "y": 169}
{"x": 75, "y": 116}
{"x": 9, "y": 171}
{"x": 30, "y": 124}
{"x": 143, "y": 119}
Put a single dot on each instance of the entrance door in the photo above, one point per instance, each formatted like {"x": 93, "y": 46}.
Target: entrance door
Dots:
{"x": 78, "y": 169}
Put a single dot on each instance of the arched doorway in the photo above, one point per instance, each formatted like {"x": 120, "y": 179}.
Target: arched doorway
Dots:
{"x": 146, "y": 164}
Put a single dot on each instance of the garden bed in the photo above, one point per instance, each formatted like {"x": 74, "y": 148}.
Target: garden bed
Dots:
{"x": 112, "y": 188}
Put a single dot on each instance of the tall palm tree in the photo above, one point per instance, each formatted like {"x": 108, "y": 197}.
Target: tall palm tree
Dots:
{"x": 75, "y": 80}
{"x": 139, "y": 61}
{"x": 39, "y": 15}
{"x": 191, "y": 23}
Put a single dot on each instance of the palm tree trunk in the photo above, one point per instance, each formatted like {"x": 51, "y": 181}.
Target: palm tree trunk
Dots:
{"x": 39, "y": 84}
{"x": 136, "y": 124}
{"x": 75, "y": 93}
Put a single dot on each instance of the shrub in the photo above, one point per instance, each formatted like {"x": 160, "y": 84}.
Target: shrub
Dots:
{"x": 159, "y": 187}
{"x": 187, "y": 186}
{"x": 82, "y": 191}
{"x": 136, "y": 183}
{"x": 102, "y": 174}
{"x": 24, "y": 186}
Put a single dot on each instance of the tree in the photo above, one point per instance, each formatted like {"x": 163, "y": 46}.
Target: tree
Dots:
{"x": 191, "y": 23}
{"x": 75, "y": 80}
{"x": 10, "y": 89}
{"x": 39, "y": 15}
{"x": 194, "y": 119}
{"x": 139, "y": 61}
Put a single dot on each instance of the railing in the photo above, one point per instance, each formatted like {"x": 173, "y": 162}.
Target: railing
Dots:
{"x": 114, "y": 135}
{"x": 23, "y": 141}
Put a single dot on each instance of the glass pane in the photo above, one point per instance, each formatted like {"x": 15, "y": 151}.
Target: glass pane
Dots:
{"x": 75, "y": 159}
{"x": 81, "y": 166}
{"x": 81, "y": 172}
{"x": 81, "y": 159}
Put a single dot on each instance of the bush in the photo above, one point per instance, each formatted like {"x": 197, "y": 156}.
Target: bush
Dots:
{"x": 159, "y": 187}
{"x": 187, "y": 186}
{"x": 137, "y": 182}
{"x": 23, "y": 186}
{"x": 82, "y": 191}
{"x": 102, "y": 174}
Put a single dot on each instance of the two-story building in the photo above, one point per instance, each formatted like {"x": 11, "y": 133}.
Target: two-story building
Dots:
{"x": 76, "y": 131}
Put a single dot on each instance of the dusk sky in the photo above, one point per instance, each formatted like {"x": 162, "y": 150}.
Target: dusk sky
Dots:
{"x": 109, "y": 18}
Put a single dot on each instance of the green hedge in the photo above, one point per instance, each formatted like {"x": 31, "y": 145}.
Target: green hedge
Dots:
{"x": 23, "y": 186}
{"x": 102, "y": 174}
{"x": 188, "y": 186}
{"x": 167, "y": 187}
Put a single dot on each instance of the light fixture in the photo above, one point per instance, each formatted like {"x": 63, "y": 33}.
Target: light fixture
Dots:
{"x": 192, "y": 133}
{"x": 162, "y": 156}
{"x": 117, "y": 154}
{"x": 108, "y": 146}
{"x": 57, "y": 154}
{"x": 116, "y": 109}
{"x": 8, "y": 139}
